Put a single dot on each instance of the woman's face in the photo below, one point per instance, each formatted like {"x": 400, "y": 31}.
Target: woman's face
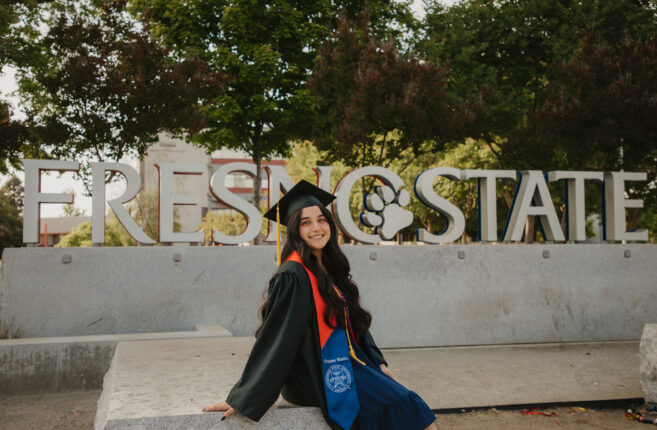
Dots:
{"x": 314, "y": 228}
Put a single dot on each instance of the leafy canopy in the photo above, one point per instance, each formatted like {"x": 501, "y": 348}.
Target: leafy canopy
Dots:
{"x": 101, "y": 87}
{"x": 375, "y": 103}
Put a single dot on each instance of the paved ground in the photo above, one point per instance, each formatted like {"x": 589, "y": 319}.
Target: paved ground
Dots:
{"x": 480, "y": 376}
{"x": 75, "y": 411}
{"x": 185, "y": 377}
{"x": 171, "y": 377}
{"x": 64, "y": 411}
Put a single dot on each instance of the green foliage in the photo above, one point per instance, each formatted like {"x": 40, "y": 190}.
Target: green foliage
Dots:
{"x": 472, "y": 154}
{"x": 8, "y": 329}
{"x": 16, "y": 28}
{"x": 375, "y": 104}
{"x": 144, "y": 211}
{"x": 305, "y": 157}
{"x": 70, "y": 210}
{"x": 80, "y": 236}
{"x": 600, "y": 110}
{"x": 13, "y": 191}
{"x": 268, "y": 50}
{"x": 100, "y": 87}
{"x": 228, "y": 222}
{"x": 569, "y": 85}
{"x": 648, "y": 220}
{"x": 17, "y": 23}
{"x": 11, "y": 210}
{"x": 507, "y": 50}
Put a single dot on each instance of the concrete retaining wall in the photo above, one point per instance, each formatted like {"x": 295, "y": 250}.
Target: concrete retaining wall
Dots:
{"x": 418, "y": 295}
{"x": 56, "y": 364}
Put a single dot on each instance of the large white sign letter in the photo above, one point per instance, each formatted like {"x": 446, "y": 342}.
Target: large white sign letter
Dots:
{"x": 575, "y": 202}
{"x": 221, "y": 193}
{"x": 168, "y": 200}
{"x": 487, "y": 199}
{"x": 533, "y": 199}
{"x": 615, "y": 225}
{"x": 132, "y": 185}
{"x": 34, "y": 197}
{"x": 324, "y": 177}
{"x": 427, "y": 195}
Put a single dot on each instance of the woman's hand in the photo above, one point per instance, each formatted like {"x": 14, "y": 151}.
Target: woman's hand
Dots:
{"x": 387, "y": 371}
{"x": 220, "y": 406}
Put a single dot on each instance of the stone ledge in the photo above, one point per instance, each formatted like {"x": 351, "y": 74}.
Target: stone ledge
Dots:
{"x": 200, "y": 331}
{"x": 164, "y": 384}
{"x": 498, "y": 294}
{"x": 40, "y": 365}
{"x": 274, "y": 419}
{"x": 649, "y": 363}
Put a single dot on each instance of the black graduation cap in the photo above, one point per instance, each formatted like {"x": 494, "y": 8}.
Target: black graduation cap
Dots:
{"x": 302, "y": 195}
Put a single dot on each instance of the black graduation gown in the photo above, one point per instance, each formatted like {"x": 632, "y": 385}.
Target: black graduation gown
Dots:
{"x": 286, "y": 355}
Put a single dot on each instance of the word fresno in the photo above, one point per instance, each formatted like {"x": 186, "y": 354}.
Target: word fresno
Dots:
{"x": 532, "y": 198}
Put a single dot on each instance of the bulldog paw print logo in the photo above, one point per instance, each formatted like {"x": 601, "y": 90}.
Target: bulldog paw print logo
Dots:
{"x": 386, "y": 212}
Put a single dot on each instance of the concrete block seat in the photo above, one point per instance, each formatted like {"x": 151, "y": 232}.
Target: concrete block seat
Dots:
{"x": 649, "y": 362}
{"x": 164, "y": 384}
{"x": 70, "y": 363}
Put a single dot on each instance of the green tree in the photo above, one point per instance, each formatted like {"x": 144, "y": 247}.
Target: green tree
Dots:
{"x": 648, "y": 220}
{"x": 144, "y": 210}
{"x": 506, "y": 50}
{"x": 100, "y": 87}
{"x": 80, "y": 236}
{"x": 268, "y": 50}
{"x": 11, "y": 209}
{"x": 70, "y": 210}
{"x": 527, "y": 58}
{"x": 145, "y": 213}
{"x": 375, "y": 104}
{"x": 599, "y": 113}
{"x": 305, "y": 157}
{"x": 13, "y": 190}
{"x": 228, "y": 222}
{"x": 16, "y": 26}
{"x": 471, "y": 154}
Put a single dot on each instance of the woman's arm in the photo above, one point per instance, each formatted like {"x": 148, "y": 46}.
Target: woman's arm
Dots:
{"x": 378, "y": 355}
{"x": 271, "y": 359}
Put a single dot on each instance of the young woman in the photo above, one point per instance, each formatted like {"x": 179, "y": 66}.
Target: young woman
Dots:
{"x": 314, "y": 344}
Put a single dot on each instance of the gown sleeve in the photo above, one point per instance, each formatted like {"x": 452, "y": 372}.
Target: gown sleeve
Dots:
{"x": 286, "y": 318}
{"x": 378, "y": 355}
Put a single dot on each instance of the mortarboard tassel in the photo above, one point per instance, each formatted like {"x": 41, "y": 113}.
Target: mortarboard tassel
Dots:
{"x": 348, "y": 328}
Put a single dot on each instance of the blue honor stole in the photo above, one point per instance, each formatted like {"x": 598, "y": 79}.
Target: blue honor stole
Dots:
{"x": 337, "y": 372}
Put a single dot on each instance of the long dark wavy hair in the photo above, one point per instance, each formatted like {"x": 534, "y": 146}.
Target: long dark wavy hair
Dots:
{"x": 337, "y": 272}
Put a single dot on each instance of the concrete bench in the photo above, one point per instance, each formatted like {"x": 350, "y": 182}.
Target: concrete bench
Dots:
{"x": 56, "y": 364}
{"x": 164, "y": 384}
{"x": 649, "y": 362}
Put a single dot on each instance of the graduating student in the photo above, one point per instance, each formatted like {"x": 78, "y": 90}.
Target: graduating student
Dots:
{"x": 314, "y": 345}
